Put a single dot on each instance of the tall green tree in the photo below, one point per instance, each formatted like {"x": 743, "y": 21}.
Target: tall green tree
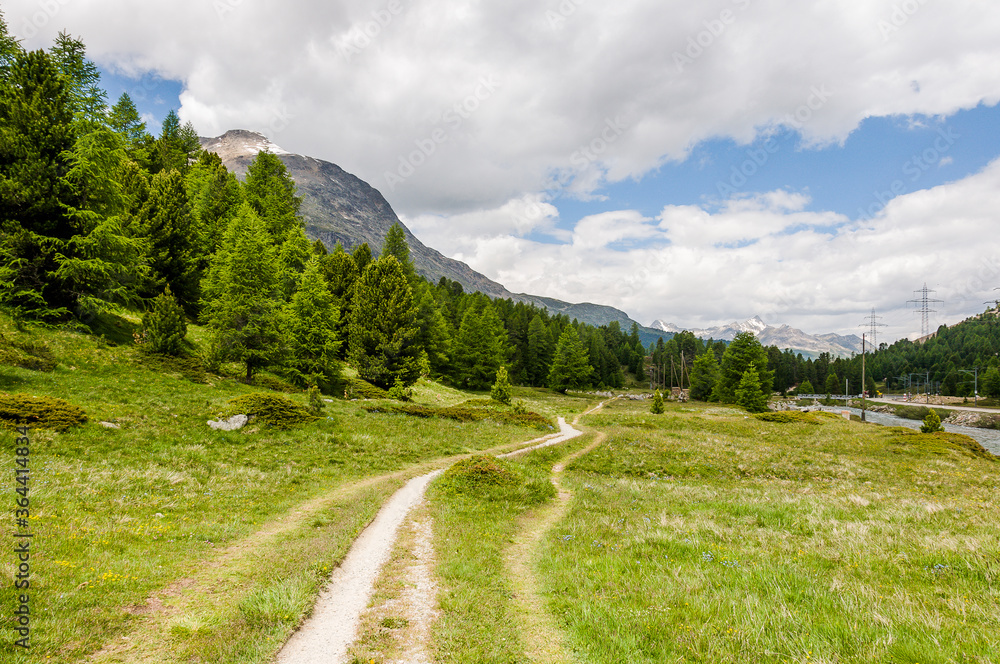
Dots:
{"x": 341, "y": 274}
{"x": 704, "y": 375}
{"x": 87, "y": 99}
{"x": 434, "y": 335}
{"x": 383, "y": 326}
{"x": 166, "y": 223}
{"x": 10, "y": 49}
{"x": 745, "y": 350}
{"x": 991, "y": 383}
{"x": 570, "y": 366}
{"x": 125, "y": 120}
{"x": 749, "y": 394}
{"x": 540, "y": 351}
{"x": 480, "y": 346}
{"x": 164, "y": 325}
{"x": 242, "y": 300}
{"x": 311, "y": 324}
{"x": 832, "y": 384}
{"x": 396, "y": 245}
{"x": 362, "y": 256}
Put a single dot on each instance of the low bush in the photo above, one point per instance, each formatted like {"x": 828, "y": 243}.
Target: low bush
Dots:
{"x": 362, "y": 389}
{"x": 21, "y": 410}
{"x": 788, "y": 416}
{"x": 269, "y": 409}
{"x": 486, "y": 477}
{"x": 462, "y": 413}
{"x": 31, "y": 355}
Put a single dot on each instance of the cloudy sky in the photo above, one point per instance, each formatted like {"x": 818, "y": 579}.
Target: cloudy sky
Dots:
{"x": 693, "y": 161}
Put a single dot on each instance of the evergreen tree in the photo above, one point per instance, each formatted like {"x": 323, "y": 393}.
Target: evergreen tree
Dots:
{"x": 540, "y": 350}
{"x": 657, "y": 407}
{"x": 480, "y": 347}
{"x": 311, "y": 319}
{"x": 395, "y": 245}
{"x": 10, "y": 49}
{"x": 169, "y": 151}
{"x": 166, "y": 223}
{"x": 270, "y": 190}
{"x": 501, "y": 390}
{"x": 704, "y": 374}
{"x": 434, "y": 335}
{"x": 215, "y": 195}
{"x": 949, "y": 387}
{"x": 341, "y": 274}
{"x": 164, "y": 326}
{"x": 749, "y": 394}
{"x": 570, "y": 366}
{"x": 125, "y": 120}
{"x": 932, "y": 423}
{"x": 242, "y": 302}
{"x": 362, "y": 256}
{"x": 743, "y": 351}
{"x": 87, "y": 100}
{"x": 805, "y": 387}
{"x": 832, "y": 384}
{"x": 383, "y": 326}
{"x": 991, "y": 383}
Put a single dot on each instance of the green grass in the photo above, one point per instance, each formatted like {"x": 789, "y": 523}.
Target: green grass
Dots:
{"x": 707, "y": 535}
{"x": 121, "y": 514}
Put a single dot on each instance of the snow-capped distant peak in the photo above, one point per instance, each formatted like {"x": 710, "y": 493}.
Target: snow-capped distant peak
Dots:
{"x": 754, "y": 325}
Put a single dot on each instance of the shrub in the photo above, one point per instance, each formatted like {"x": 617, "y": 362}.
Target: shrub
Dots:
{"x": 787, "y": 417}
{"x": 26, "y": 355}
{"x": 163, "y": 326}
{"x": 500, "y": 392}
{"x": 657, "y": 407}
{"x": 269, "y": 409}
{"x": 486, "y": 477}
{"x": 362, "y": 389}
{"x": 400, "y": 392}
{"x": 462, "y": 413}
{"x": 20, "y": 410}
{"x": 932, "y": 423}
{"x": 316, "y": 405}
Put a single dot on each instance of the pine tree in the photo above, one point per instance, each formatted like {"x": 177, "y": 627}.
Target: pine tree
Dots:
{"x": 164, "y": 326}
{"x": 434, "y": 335}
{"x": 480, "y": 347}
{"x": 540, "y": 350}
{"x": 125, "y": 120}
{"x": 166, "y": 223}
{"x": 704, "y": 375}
{"x": 383, "y": 326}
{"x": 215, "y": 195}
{"x": 805, "y": 387}
{"x": 169, "y": 151}
{"x": 657, "y": 407}
{"x": 242, "y": 302}
{"x": 10, "y": 49}
{"x": 88, "y": 101}
{"x": 832, "y": 384}
{"x": 991, "y": 383}
{"x": 743, "y": 351}
{"x": 362, "y": 256}
{"x": 341, "y": 274}
{"x": 749, "y": 394}
{"x": 501, "y": 390}
{"x": 932, "y": 423}
{"x": 311, "y": 320}
{"x": 395, "y": 245}
{"x": 570, "y": 366}
{"x": 271, "y": 192}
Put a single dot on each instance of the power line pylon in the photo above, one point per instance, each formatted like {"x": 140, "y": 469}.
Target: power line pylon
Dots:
{"x": 872, "y": 322}
{"x": 925, "y": 302}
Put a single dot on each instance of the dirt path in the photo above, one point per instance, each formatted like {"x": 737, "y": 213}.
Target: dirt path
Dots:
{"x": 541, "y": 635}
{"x": 328, "y": 633}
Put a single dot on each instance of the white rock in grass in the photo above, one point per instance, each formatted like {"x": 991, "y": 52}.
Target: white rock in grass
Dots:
{"x": 232, "y": 424}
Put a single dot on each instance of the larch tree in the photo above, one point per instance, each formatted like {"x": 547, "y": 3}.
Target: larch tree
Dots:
{"x": 704, "y": 375}
{"x": 311, "y": 325}
{"x": 242, "y": 299}
{"x": 743, "y": 351}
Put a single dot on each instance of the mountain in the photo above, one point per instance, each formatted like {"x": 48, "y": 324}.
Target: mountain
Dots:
{"x": 340, "y": 207}
{"x": 784, "y": 336}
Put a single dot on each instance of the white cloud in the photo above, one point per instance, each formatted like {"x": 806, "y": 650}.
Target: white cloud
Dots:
{"x": 763, "y": 255}
{"x": 363, "y": 82}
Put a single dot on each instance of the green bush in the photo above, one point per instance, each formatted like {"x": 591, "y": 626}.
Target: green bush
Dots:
{"x": 164, "y": 326}
{"x": 400, "y": 392}
{"x": 787, "y": 417}
{"x": 932, "y": 423}
{"x": 21, "y": 410}
{"x": 362, "y": 389}
{"x": 26, "y": 355}
{"x": 500, "y": 392}
{"x": 269, "y": 409}
{"x": 462, "y": 413}
{"x": 486, "y": 477}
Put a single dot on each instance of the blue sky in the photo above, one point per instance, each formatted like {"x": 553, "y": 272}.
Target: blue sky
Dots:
{"x": 586, "y": 150}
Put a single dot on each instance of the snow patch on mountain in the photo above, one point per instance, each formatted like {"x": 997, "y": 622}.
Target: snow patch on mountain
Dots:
{"x": 783, "y": 336}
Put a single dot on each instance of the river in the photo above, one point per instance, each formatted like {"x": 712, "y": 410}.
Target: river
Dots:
{"x": 988, "y": 438}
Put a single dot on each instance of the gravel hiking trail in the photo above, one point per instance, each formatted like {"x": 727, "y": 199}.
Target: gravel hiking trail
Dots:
{"x": 328, "y": 633}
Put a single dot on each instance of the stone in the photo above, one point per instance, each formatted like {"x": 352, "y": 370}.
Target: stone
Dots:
{"x": 232, "y": 424}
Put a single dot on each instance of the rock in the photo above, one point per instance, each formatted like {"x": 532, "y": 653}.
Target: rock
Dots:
{"x": 110, "y": 425}
{"x": 232, "y": 424}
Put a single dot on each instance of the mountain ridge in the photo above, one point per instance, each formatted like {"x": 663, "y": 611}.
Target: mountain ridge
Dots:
{"x": 782, "y": 336}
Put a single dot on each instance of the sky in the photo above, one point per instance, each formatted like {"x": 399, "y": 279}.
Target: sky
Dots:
{"x": 696, "y": 162}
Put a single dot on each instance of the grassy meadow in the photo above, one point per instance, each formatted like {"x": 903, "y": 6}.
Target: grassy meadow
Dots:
{"x": 706, "y": 535}
{"x": 174, "y": 542}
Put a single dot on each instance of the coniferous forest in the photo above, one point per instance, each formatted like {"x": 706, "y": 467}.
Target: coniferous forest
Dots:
{"x": 100, "y": 215}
